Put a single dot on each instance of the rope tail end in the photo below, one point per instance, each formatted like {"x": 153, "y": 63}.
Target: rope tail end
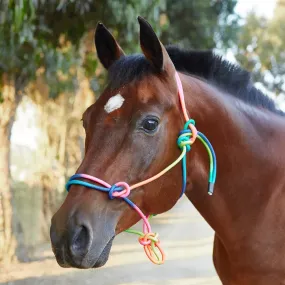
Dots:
{"x": 211, "y": 188}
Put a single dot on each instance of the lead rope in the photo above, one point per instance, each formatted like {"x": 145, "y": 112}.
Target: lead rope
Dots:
{"x": 121, "y": 190}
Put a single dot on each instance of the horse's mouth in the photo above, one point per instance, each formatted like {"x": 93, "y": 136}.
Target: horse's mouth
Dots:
{"x": 65, "y": 259}
{"x": 103, "y": 258}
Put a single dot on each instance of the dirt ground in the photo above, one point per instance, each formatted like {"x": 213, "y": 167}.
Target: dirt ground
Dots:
{"x": 184, "y": 235}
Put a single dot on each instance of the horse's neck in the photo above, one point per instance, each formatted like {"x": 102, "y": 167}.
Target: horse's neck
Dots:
{"x": 246, "y": 142}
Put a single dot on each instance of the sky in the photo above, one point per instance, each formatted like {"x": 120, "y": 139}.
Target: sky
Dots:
{"x": 261, "y": 7}
{"x": 25, "y": 131}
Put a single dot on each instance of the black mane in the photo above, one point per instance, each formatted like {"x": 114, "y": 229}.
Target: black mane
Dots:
{"x": 204, "y": 64}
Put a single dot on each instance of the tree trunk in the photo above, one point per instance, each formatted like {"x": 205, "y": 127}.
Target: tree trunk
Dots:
{"x": 7, "y": 240}
{"x": 7, "y": 114}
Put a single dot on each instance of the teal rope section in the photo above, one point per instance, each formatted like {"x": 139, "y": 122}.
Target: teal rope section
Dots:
{"x": 184, "y": 141}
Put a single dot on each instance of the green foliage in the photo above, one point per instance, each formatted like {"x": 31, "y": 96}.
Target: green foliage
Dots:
{"x": 120, "y": 17}
{"x": 42, "y": 37}
{"x": 26, "y": 47}
{"x": 17, "y": 40}
{"x": 90, "y": 64}
{"x": 61, "y": 66}
{"x": 200, "y": 24}
{"x": 261, "y": 48}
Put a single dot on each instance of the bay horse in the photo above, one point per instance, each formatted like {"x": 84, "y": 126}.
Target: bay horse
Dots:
{"x": 131, "y": 134}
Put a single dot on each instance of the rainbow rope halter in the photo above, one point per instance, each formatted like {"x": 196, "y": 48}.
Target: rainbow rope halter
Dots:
{"x": 121, "y": 190}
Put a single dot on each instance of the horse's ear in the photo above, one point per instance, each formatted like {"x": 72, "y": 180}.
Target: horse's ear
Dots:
{"x": 152, "y": 48}
{"x": 108, "y": 50}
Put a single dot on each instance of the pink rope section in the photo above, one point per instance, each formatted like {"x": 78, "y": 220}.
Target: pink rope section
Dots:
{"x": 95, "y": 179}
{"x": 122, "y": 194}
{"x": 184, "y": 110}
{"x": 181, "y": 97}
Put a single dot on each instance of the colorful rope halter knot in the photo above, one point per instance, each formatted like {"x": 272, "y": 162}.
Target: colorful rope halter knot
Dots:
{"x": 116, "y": 190}
{"x": 150, "y": 242}
{"x": 121, "y": 190}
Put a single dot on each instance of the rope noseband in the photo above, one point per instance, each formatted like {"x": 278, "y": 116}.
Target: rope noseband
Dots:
{"x": 121, "y": 190}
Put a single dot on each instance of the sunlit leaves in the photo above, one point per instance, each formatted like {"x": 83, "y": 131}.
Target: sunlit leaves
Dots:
{"x": 32, "y": 31}
{"x": 261, "y": 48}
{"x": 90, "y": 64}
{"x": 200, "y": 24}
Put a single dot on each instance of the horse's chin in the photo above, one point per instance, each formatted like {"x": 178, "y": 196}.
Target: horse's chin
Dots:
{"x": 104, "y": 256}
{"x": 89, "y": 261}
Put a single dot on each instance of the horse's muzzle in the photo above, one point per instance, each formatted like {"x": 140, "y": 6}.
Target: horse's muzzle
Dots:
{"x": 76, "y": 244}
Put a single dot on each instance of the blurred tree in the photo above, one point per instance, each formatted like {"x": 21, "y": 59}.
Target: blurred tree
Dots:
{"x": 261, "y": 48}
{"x": 14, "y": 74}
{"x": 200, "y": 24}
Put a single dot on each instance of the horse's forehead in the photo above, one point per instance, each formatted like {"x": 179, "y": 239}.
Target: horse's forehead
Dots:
{"x": 151, "y": 90}
{"x": 147, "y": 90}
{"x": 139, "y": 93}
{"x": 115, "y": 102}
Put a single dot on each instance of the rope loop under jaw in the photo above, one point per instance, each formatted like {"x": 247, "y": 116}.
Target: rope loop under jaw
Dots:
{"x": 155, "y": 253}
{"x": 152, "y": 248}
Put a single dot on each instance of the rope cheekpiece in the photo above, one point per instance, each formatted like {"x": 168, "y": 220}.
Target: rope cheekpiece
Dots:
{"x": 121, "y": 190}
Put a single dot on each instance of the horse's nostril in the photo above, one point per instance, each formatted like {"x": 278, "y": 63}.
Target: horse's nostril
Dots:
{"x": 81, "y": 241}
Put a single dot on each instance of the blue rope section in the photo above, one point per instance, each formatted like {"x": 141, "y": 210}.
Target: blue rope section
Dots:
{"x": 212, "y": 179}
{"x": 110, "y": 191}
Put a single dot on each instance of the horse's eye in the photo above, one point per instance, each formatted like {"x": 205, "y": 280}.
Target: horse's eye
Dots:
{"x": 150, "y": 125}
